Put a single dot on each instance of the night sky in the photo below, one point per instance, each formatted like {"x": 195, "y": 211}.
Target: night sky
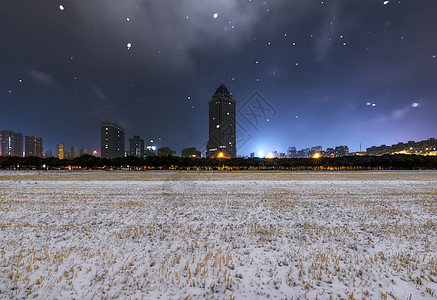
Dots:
{"x": 312, "y": 73}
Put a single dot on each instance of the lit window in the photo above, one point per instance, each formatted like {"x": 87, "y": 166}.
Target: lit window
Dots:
{"x": 218, "y": 126}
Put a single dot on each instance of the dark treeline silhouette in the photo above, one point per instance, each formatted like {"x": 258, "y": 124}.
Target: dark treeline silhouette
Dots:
{"x": 385, "y": 162}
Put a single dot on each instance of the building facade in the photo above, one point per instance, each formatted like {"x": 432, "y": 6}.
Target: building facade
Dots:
{"x": 166, "y": 151}
{"x": 11, "y": 143}
{"x": 83, "y": 151}
{"x": 60, "y": 151}
{"x": 136, "y": 146}
{"x": 111, "y": 140}
{"x": 190, "y": 152}
{"x": 74, "y": 152}
{"x": 222, "y": 125}
{"x": 33, "y": 146}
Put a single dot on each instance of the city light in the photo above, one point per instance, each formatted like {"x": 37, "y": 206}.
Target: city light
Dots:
{"x": 220, "y": 155}
{"x": 317, "y": 155}
{"x": 270, "y": 155}
{"x": 260, "y": 153}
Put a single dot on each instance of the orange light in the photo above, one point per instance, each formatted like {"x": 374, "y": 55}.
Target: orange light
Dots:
{"x": 317, "y": 155}
{"x": 220, "y": 155}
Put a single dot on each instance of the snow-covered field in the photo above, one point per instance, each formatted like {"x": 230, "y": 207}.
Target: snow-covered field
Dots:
{"x": 218, "y": 235}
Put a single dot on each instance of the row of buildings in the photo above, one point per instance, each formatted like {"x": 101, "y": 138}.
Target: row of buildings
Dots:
{"x": 63, "y": 152}
{"x": 15, "y": 144}
{"x": 316, "y": 151}
{"x": 112, "y": 144}
{"x": 221, "y": 142}
{"x": 11, "y": 144}
{"x": 425, "y": 147}
{"x": 222, "y": 133}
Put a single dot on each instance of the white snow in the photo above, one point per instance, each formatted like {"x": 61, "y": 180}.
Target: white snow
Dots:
{"x": 71, "y": 235}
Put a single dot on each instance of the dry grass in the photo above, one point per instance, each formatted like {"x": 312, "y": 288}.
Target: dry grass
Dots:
{"x": 365, "y": 237}
{"x": 216, "y": 175}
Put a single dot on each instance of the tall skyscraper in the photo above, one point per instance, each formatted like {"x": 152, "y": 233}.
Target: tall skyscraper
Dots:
{"x": 60, "y": 151}
{"x": 111, "y": 140}
{"x": 11, "y": 143}
{"x": 74, "y": 152}
{"x": 33, "y": 146}
{"x": 136, "y": 146}
{"x": 222, "y": 125}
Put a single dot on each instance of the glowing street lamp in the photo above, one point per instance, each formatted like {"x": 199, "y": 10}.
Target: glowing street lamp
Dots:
{"x": 220, "y": 155}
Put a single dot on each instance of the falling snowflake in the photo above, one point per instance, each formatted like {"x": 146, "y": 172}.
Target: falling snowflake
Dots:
{"x": 215, "y": 15}
{"x": 386, "y": 2}
{"x": 61, "y": 7}
{"x": 415, "y": 104}
{"x": 129, "y": 45}
{"x": 128, "y": 19}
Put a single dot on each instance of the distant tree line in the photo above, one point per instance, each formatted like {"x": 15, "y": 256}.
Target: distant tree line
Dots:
{"x": 384, "y": 162}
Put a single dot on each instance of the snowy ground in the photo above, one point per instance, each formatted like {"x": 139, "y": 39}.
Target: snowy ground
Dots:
{"x": 218, "y": 235}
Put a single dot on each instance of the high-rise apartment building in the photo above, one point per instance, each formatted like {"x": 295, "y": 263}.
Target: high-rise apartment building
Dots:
{"x": 74, "y": 152}
{"x": 341, "y": 151}
{"x": 60, "y": 151}
{"x": 33, "y": 146}
{"x": 222, "y": 124}
{"x": 136, "y": 146}
{"x": 11, "y": 143}
{"x": 111, "y": 140}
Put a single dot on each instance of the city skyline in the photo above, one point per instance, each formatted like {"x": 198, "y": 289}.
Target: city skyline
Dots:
{"x": 324, "y": 72}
